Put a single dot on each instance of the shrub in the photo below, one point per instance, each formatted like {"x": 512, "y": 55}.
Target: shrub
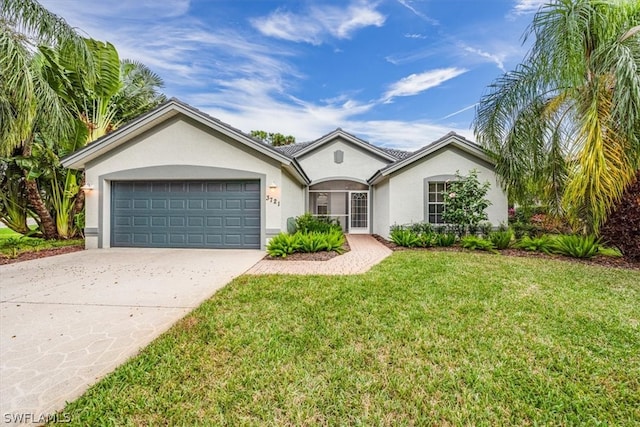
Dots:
{"x": 522, "y": 229}
{"x": 477, "y": 243}
{"x": 335, "y": 241}
{"x": 622, "y": 228}
{"x": 485, "y": 228}
{"x": 501, "y": 239}
{"x": 610, "y": 252}
{"x": 282, "y": 245}
{"x": 406, "y": 238}
{"x": 311, "y": 242}
{"x": 420, "y": 227}
{"x": 426, "y": 240}
{"x": 576, "y": 246}
{"x": 307, "y": 223}
{"x": 444, "y": 239}
{"x": 539, "y": 244}
{"x": 464, "y": 200}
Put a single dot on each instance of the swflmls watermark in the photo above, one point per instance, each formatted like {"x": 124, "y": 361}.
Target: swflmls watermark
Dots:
{"x": 33, "y": 418}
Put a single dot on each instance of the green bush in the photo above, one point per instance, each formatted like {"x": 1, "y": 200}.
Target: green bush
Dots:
{"x": 610, "y": 252}
{"x": 426, "y": 240}
{"x": 282, "y": 245}
{"x": 539, "y": 244}
{"x": 308, "y": 223}
{"x": 485, "y": 228}
{"x": 406, "y": 238}
{"x": 444, "y": 239}
{"x": 311, "y": 242}
{"x": 524, "y": 229}
{"x": 420, "y": 228}
{"x": 335, "y": 241}
{"x": 477, "y": 243}
{"x": 501, "y": 239}
{"x": 576, "y": 246}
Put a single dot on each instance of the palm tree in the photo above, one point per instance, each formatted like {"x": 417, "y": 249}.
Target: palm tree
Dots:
{"x": 565, "y": 124}
{"x": 26, "y": 99}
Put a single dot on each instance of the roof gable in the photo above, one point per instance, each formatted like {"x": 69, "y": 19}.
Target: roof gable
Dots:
{"x": 450, "y": 139}
{"x": 302, "y": 149}
{"x": 162, "y": 113}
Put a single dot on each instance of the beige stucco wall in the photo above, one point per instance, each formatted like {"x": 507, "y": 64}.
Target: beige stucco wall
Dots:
{"x": 182, "y": 142}
{"x": 294, "y": 194}
{"x": 357, "y": 163}
{"x": 406, "y": 187}
{"x": 380, "y": 214}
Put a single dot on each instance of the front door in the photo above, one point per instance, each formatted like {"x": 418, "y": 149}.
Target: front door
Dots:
{"x": 359, "y": 212}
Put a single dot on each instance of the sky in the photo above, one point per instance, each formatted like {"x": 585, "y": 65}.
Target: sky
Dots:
{"x": 396, "y": 73}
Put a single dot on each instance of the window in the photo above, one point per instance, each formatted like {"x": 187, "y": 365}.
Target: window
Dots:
{"x": 319, "y": 203}
{"x": 435, "y": 203}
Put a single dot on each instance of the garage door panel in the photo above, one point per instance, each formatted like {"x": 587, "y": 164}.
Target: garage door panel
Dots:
{"x": 141, "y": 238}
{"x": 195, "y": 204}
{"x": 233, "y": 204}
{"x": 252, "y": 187}
{"x": 141, "y": 221}
{"x": 250, "y": 221}
{"x": 214, "y": 221}
{"x": 159, "y": 239}
{"x": 215, "y": 214}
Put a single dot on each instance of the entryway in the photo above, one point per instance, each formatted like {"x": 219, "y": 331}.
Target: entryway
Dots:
{"x": 343, "y": 200}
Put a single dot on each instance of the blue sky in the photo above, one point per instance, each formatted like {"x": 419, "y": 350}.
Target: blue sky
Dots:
{"x": 398, "y": 73}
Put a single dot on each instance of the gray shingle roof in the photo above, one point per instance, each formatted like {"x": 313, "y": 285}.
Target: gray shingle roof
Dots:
{"x": 292, "y": 149}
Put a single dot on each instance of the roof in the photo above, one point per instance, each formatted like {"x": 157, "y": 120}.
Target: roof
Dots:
{"x": 293, "y": 149}
{"x": 451, "y": 138}
{"x": 163, "y": 112}
{"x": 303, "y": 148}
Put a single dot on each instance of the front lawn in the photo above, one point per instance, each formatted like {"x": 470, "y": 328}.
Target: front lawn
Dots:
{"x": 425, "y": 338}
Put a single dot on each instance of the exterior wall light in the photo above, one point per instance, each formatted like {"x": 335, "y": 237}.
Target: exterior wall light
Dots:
{"x": 273, "y": 186}
{"x": 86, "y": 188}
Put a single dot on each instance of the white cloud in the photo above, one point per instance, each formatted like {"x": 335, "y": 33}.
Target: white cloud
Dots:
{"x": 523, "y": 7}
{"x": 246, "y": 80}
{"x": 497, "y": 59}
{"x": 415, "y": 36}
{"x": 416, "y": 83}
{"x": 407, "y": 4}
{"x": 318, "y": 22}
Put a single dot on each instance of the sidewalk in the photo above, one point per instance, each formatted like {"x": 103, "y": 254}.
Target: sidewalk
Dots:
{"x": 365, "y": 253}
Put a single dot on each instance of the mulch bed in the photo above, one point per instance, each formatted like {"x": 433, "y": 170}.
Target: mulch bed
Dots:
{"x": 603, "y": 261}
{"x": 316, "y": 256}
{"x": 26, "y": 256}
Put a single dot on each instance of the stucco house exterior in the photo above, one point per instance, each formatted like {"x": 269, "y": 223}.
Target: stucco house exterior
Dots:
{"x": 176, "y": 177}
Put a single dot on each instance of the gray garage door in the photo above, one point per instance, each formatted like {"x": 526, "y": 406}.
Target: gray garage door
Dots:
{"x": 186, "y": 214}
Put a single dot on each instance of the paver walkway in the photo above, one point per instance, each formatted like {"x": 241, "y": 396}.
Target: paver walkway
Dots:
{"x": 365, "y": 253}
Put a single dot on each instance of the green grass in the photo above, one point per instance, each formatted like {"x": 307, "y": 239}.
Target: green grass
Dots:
{"x": 425, "y": 338}
{"x": 13, "y": 244}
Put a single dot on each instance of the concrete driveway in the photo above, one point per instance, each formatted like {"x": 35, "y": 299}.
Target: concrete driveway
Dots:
{"x": 67, "y": 321}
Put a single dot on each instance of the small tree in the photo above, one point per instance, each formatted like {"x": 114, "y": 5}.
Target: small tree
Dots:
{"x": 465, "y": 202}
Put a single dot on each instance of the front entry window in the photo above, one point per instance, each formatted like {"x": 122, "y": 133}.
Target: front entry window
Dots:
{"x": 344, "y": 201}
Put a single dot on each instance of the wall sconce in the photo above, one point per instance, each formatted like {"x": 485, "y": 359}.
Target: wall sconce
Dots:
{"x": 86, "y": 188}
{"x": 273, "y": 186}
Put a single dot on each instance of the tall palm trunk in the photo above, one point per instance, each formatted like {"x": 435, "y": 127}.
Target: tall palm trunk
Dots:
{"x": 47, "y": 223}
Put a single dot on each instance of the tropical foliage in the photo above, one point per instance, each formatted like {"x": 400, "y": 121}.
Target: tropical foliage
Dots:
{"x": 564, "y": 126}
{"x": 622, "y": 228}
{"x": 60, "y": 91}
{"x": 465, "y": 203}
